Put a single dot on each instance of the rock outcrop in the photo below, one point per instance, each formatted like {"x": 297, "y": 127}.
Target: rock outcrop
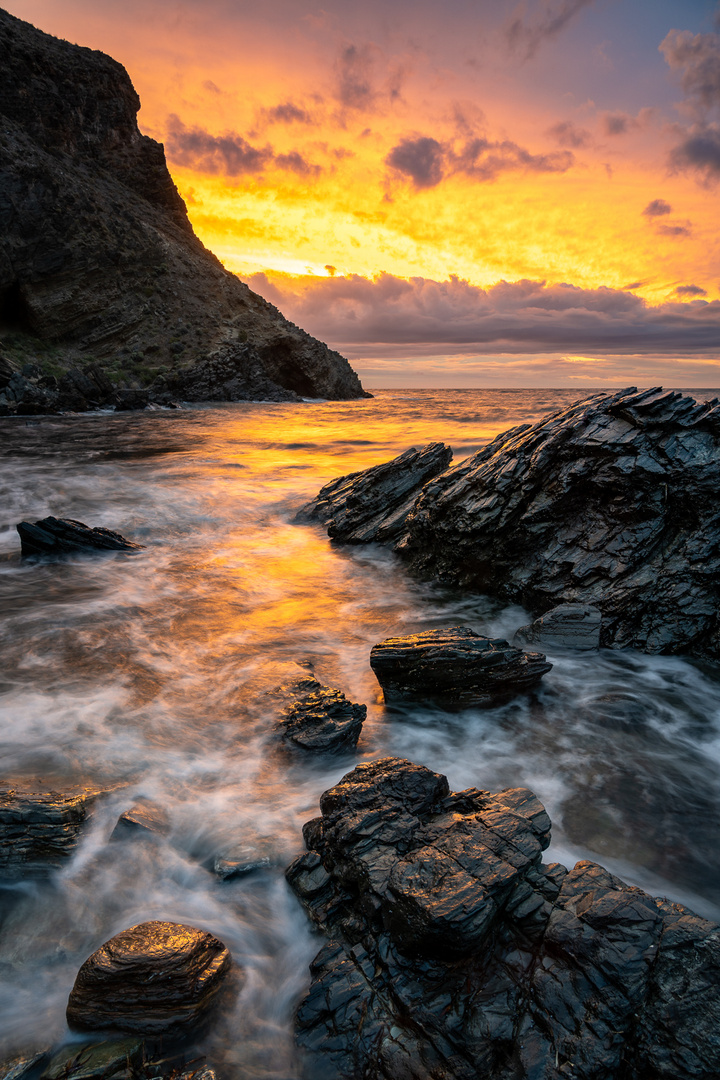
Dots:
{"x": 611, "y": 503}
{"x": 157, "y": 978}
{"x": 568, "y": 626}
{"x": 453, "y": 951}
{"x": 455, "y": 668}
{"x": 321, "y": 719}
{"x": 63, "y": 536}
{"x": 39, "y": 830}
{"x": 99, "y": 265}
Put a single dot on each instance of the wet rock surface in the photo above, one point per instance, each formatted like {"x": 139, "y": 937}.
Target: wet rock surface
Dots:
{"x": 568, "y": 626}
{"x": 455, "y": 953}
{"x": 143, "y": 820}
{"x": 373, "y": 505}
{"x": 321, "y": 719}
{"x": 63, "y": 536}
{"x": 609, "y": 503}
{"x": 105, "y": 313}
{"x": 456, "y": 668}
{"x": 39, "y": 830}
{"x": 157, "y": 978}
{"x": 95, "y": 1061}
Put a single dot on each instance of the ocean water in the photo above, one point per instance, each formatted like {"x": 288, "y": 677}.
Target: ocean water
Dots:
{"x": 153, "y": 676}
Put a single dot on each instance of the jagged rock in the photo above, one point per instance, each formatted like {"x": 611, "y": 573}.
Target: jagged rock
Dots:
{"x": 39, "y": 830}
{"x": 144, "y": 819}
{"x": 373, "y": 505}
{"x": 240, "y": 861}
{"x": 321, "y": 719}
{"x": 144, "y": 298}
{"x": 61, "y": 536}
{"x": 126, "y": 400}
{"x": 610, "y": 503}
{"x": 96, "y": 1061}
{"x": 568, "y": 626}
{"x": 157, "y": 978}
{"x": 455, "y": 952}
{"x": 22, "y": 1066}
{"x": 454, "y": 667}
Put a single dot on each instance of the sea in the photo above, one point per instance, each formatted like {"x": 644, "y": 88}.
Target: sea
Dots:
{"x": 154, "y": 676}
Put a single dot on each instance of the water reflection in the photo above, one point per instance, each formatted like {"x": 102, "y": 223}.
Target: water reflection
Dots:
{"x": 153, "y": 677}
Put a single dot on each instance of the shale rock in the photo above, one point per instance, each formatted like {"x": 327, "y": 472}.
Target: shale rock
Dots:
{"x": 454, "y": 667}
{"x": 610, "y": 503}
{"x": 322, "y": 719}
{"x": 568, "y": 626}
{"x": 96, "y": 1061}
{"x": 39, "y": 830}
{"x": 144, "y": 298}
{"x": 373, "y": 505}
{"x": 454, "y": 952}
{"x": 157, "y": 978}
{"x": 63, "y": 536}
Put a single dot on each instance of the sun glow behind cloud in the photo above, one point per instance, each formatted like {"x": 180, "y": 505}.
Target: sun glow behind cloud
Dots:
{"x": 556, "y": 142}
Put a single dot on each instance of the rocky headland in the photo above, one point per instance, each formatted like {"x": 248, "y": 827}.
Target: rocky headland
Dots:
{"x": 107, "y": 297}
{"x": 610, "y": 504}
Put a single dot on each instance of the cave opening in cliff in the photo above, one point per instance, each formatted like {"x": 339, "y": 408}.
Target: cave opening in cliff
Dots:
{"x": 15, "y": 313}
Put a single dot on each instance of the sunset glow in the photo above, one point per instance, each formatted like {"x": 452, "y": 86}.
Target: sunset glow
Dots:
{"x": 377, "y": 171}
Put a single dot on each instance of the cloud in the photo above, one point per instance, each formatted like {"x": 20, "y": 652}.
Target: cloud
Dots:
{"x": 657, "y": 208}
{"x": 511, "y": 317}
{"x": 674, "y": 230}
{"x": 697, "y": 58}
{"x": 690, "y": 290}
{"x": 425, "y": 161}
{"x": 287, "y": 113}
{"x": 210, "y": 85}
{"x": 229, "y": 154}
{"x": 421, "y": 160}
{"x": 568, "y": 134}
{"x": 358, "y": 84}
{"x": 526, "y": 30}
{"x": 700, "y": 152}
{"x": 617, "y": 123}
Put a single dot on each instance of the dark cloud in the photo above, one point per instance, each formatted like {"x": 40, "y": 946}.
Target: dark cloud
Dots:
{"x": 526, "y": 29}
{"x": 568, "y": 134}
{"x": 515, "y": 317}
{"x": 287, "y": 113}
{"x": 700, "y": 152}
{"x": 360, "y": 85}
{"x": 229, "y": 154}
{"x": 690, "y": 290}
{"x": 425, "y": 161}
{"x": 697, "y": 59}
{"x": 421, "y": 160}
{"x": 210, "y": 85}
{"x": 617, "y": 123}
{"x": 674, "y": 230}
{"x": 657, "y": 208}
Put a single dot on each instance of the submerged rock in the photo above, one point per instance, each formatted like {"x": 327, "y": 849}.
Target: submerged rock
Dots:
{"x": 454, "y": 667}
{"x": 240, "y": 861}
{"x": 157, "y": 978}
{"x": 63, "y": 536}
{"x": 39, "y": 830}
{"x": 610, "y": 503}
{"x": 568, "y": 626}
{"x": 374, "y": 504}
{"x": 96, "y": 1061}
{"x": 144, "y": 819}
{"x": 322, "y": 719}
{"x": 453, "y": 951}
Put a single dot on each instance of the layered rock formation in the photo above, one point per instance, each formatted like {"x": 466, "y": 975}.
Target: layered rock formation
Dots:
{"x": 39, "y": 830}
{"x": 99, "y": 262}
{"x": 454, "y": 952}
{"x": 611, "y": 503}
{"x": 64, "y": 536}
{"x": 321, "y": 719}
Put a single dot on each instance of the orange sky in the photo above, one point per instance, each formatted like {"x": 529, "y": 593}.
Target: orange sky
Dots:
{"x": 411, "y": 146}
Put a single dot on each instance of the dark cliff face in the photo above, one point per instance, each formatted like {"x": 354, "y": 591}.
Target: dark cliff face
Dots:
{"x": 98, "y": 260}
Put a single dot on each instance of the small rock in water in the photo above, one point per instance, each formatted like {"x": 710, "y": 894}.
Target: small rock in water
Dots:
{"x": 239, "y": 862}
{"x": 156, "y": 978}
{"x": 39, "y": 830}
{"x": 454, "y": 667}
{"x": 568, "y": 626}
{"x": 321, "y": 718}
{"x": 143, "y": 819}
{"x": 95, "y": 1061}
{"x": 21, "y": 1065}
{"x": 62, "y": 536}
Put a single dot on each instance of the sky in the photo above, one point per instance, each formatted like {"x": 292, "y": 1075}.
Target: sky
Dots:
{"x": 466, "y": 193}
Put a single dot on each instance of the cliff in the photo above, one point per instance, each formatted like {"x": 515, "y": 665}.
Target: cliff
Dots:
{"x": 99, "y": 262}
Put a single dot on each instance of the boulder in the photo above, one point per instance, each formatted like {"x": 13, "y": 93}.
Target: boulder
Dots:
{"x": 455, "y": 668}
{"x": 568, "y": 626}
{"x": 321, "y": 719}
{"x": 610, "y": 503}
{"x": 157, "y": 978}
{"x": 373, "y": 505}
{"x": 39, "y": 830}
{"x": 63, "y": 536}
{"x": 453, "y": 951}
